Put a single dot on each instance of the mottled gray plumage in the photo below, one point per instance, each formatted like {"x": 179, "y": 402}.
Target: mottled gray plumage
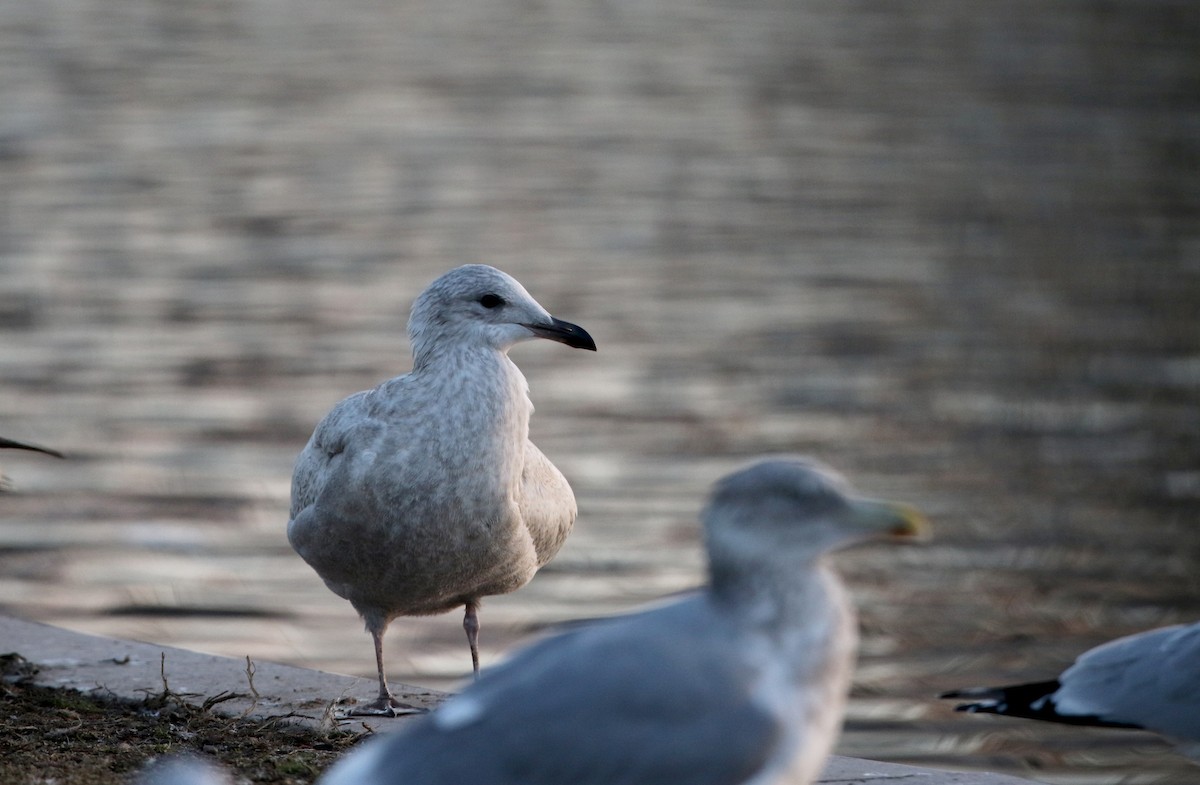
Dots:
{"x": 425, "y": 493}
{"x": 744, "y": 682}
{"x": 1150, "y": 680}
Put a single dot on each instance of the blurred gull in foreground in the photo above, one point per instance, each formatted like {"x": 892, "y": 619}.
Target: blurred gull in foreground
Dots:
{"x": 744, "y": 682}
{"x": 425, "y": 493}
{"x": 1150, "y": 680}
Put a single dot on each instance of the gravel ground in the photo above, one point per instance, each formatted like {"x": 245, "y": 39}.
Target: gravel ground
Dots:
{"x": 952, "y": 248}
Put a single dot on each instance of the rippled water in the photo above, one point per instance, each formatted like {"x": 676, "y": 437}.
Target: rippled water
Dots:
{"x": 950, "y": 248}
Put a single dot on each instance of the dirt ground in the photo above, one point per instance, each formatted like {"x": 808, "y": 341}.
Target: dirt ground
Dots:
{"x": 65, "y": 736}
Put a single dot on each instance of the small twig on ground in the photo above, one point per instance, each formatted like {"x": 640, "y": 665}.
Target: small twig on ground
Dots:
{"x": 329, "y": 719}
{"x": 220, "y": 697}
{"x": 167, "y": 695}
{"x": 254, "y": 696}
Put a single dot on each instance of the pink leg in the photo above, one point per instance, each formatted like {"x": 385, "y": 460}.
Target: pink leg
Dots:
{"x": 386, "y": 704}
{"x": 471, "y": 625}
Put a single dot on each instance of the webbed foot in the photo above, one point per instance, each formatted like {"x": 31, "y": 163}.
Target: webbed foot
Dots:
{"x": 383, "y": 706}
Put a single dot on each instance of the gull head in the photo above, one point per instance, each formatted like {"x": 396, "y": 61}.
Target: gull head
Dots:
{"x": 478, "y": 305}
{"x": 796, "y": 509}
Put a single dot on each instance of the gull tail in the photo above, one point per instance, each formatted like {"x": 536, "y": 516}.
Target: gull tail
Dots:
{"x": 1017, "y": 700}
{"x": 1034, "y": 701}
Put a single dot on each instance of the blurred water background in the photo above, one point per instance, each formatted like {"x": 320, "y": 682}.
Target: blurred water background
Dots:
{"x": 951, "y": 248}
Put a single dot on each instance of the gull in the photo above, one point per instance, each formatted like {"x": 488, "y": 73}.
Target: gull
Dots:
{"x": 1149, "y": 680}
{"x": 742, "y": 682}
{"x": 425, "y": 493}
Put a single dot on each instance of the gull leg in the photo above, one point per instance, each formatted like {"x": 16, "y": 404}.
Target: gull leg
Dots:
{"x": 386, "y": 704}
{"x": 471, "y": 625}
{"x": 385, "y": 694}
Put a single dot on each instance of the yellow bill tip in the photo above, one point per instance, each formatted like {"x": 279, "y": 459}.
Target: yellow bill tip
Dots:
{"x": 910, "y": 524}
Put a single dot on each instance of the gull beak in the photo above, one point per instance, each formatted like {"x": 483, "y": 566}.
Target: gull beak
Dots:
{"x": 563, "y": 332}
{"x": 892, "y": 519}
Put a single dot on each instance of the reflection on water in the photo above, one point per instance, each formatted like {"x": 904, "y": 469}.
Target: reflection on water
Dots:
{"x": 949, "y": 249}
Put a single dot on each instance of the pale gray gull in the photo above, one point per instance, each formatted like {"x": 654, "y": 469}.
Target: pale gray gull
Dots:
{"x": 425, "y": 493}
{"x": 742, "y": 682}
{"x": 1150, "y": 680}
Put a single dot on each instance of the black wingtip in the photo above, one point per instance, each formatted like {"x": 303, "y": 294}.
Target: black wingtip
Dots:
{"x": 1033, "y": 701}
{"x": 987, "y": 700}
{"x": 976, "y": 693}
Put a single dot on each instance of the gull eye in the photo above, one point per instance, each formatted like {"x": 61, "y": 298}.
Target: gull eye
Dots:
{"x": 491, "y": 301}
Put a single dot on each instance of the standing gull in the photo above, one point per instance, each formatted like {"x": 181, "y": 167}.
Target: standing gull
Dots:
{"x": 1150, "y": 680}
{"x": 743, "y": 682}
{"x": 425, "y": 493}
